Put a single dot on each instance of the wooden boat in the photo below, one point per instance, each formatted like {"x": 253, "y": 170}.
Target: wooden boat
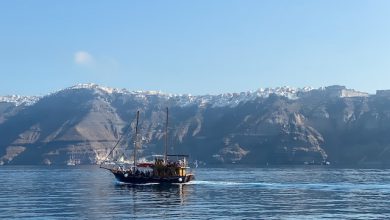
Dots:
{"x": 167, "y": 168}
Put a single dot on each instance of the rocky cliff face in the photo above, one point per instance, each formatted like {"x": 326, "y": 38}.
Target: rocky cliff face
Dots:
{"x": 271, "y": 126}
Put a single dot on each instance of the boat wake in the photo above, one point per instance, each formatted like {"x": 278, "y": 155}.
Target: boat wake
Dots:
{"x": 300, "y": 186}
{"x": 222, "y": 183}
{"x": 135, "y": 184}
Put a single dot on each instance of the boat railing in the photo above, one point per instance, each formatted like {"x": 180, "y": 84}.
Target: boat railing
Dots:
{"x": 175, "y": 160}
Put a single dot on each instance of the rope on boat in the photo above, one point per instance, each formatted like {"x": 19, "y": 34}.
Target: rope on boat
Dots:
{"x": 120, "y": 139}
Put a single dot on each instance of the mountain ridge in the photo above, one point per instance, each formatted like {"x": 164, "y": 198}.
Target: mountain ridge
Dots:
{"x": 263, "y": 92}
{"x": 267, "y": 126}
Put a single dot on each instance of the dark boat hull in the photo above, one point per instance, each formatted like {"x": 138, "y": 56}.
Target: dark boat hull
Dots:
{"x": 122, "y": 177}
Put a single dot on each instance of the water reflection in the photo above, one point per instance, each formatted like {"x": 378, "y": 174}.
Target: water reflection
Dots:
{"x": 155, "y": 201}
{"x": 169, "y": 194}
{"x": 42, "y": 192}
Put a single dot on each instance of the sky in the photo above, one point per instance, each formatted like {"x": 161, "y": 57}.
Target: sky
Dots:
{"x": 193, "y": 47}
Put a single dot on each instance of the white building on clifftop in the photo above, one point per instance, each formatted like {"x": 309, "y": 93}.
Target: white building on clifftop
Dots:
{"x": 342, "y": 91}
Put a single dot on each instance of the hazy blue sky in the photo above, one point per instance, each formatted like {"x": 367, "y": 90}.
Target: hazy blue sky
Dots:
{"x": 195, "y": 47}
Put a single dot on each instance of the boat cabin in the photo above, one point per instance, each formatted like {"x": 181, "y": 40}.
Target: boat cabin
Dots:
{"x": 175, "y": 165}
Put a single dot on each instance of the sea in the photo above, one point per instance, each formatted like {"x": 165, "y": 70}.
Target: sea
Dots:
{"x": 303, "y": 192}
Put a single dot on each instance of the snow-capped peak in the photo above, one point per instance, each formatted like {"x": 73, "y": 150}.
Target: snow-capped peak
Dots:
{"x": 221, "y": 100}
{"x": 97, "y": 87}
{"x": 233, "y": 99}
{"x": 19, "y": 100}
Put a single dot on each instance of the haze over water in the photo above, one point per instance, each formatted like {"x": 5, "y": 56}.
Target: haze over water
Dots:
{"x": 218, "y": 193}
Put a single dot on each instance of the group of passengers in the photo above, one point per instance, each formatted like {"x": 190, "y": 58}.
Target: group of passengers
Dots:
{"x": 178, "y": 163}
{"x": 136, "y": 172}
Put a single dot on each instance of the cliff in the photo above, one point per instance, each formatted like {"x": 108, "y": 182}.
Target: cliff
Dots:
{"x": 267, "y": 126}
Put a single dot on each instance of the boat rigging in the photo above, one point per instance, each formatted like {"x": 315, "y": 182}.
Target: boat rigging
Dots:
{"x": 167, "y": 168}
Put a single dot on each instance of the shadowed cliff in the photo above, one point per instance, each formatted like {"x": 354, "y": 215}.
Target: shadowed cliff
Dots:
{"x": 282, "y": 126}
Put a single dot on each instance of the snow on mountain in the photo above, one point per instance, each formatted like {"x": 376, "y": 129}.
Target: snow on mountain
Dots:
{"x": 233, "y": 99}
{"x": 221, "y": 100}
{"x": 96, "y": 87}
{"x": 20, "y": 100}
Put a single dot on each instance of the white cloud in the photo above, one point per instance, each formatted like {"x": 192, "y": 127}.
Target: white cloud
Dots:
{"x": 83, "y": 58}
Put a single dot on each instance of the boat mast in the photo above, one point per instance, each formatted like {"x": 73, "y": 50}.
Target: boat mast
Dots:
{"x": 166, "y": 140}
{"x": 135, "y": 141}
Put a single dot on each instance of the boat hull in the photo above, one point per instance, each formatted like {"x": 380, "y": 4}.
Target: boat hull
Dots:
{"x": 122, "y": 177}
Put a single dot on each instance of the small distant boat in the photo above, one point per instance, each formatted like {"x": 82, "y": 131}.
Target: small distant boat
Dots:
{"x": 324, "y": 162}
{"x": 167, "y": 168}
{"x": 72, "y": 161}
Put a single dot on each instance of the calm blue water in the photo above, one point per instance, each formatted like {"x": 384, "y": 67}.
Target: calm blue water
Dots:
{"x": 256, "y": 193}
